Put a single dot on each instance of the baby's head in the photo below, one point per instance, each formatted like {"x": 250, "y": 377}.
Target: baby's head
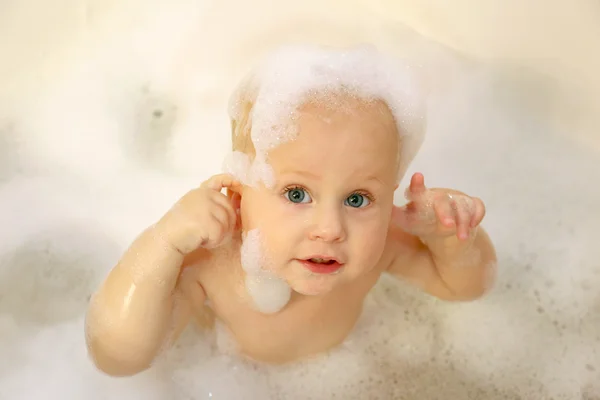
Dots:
{"x": 322, "y": 138}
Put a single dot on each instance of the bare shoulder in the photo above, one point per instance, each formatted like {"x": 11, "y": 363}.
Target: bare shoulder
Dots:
{"x": 401, "y": 251}
{"x": 203, "y": 274}
{"x": 207, "y": 267}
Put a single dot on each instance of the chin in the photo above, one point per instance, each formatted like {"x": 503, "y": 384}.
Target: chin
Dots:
{"x": 311, "y": 291}
{"x": 313, "y": 285}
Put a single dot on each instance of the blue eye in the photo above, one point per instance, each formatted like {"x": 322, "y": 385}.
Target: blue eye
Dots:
{"x": 297, "y": 195}
{"x": 356, "y": 200}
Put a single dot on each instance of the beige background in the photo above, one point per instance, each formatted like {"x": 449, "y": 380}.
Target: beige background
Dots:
{"x": 556, "y": 43}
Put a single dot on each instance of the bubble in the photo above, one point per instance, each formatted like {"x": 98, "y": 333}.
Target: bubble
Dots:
{"x": 268, "y": 292}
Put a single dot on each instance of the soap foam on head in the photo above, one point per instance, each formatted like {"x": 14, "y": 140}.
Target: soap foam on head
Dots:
{"x": 247, "y": 172}
{"x": 294, "y": 75}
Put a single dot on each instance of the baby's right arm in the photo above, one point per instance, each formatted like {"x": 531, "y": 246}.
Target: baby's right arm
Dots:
{"x": 131, "y": 316}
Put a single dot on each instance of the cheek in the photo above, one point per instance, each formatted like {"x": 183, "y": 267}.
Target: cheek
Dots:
{"x": 254, "y": 210}
{"x": 279, "y": 225}
{"x": 369, "y": 237}
{"x": 284, "y": 228}
{"x": 370, "y": 240}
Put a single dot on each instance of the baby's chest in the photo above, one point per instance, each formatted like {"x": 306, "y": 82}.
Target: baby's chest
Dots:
{"x": 297, "y": 317}
{"x": 303, "y": 323}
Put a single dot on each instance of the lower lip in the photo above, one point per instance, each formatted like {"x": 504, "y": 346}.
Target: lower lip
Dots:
{"x": 321, "y": 268}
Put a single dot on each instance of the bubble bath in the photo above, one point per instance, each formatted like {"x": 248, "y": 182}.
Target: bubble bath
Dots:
{"x": 269, "y": 293}
{"x": 69, "y": 209}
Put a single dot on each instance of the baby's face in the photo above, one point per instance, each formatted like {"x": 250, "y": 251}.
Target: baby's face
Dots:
{"x": 326, "y": 219}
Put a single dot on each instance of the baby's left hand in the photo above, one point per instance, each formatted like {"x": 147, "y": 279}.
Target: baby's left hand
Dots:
{"x": 438, "y": 212}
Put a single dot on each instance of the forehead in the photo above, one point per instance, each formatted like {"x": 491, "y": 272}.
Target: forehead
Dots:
{"x": 358, "y": 134}
{"x": 348, "y": 114}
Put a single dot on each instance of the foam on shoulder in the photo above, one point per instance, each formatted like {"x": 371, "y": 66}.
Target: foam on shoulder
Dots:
{"x": 291, "y": 75}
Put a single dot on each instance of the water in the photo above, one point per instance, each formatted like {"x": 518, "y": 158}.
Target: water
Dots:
{"x": 82, "y": 171}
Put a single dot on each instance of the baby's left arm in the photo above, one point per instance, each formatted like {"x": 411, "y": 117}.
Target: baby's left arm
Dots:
{"x": 437, "y": 244}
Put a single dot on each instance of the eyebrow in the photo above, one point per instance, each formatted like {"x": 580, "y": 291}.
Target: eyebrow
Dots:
{"x": 313, "y": 176}
{"x": 301, "y": 173}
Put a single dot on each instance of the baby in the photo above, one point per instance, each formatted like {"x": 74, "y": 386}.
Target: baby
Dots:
{"x": 285, "y": 258}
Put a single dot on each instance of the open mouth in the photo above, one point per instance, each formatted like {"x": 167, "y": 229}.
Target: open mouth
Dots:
{"x": 320, "y": 265}
{"x": 322, "y": 261}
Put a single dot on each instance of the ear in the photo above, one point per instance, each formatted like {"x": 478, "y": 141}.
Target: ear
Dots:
{"x": 236, "y": 201}
{"x": 235, "y": 196}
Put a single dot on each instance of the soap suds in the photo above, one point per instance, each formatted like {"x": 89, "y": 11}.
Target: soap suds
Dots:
{"x": 239, "y": 165}
{"x": 268, "y": 292}
{"x": 249, "y": 173}
{"x": 295, "y": 74}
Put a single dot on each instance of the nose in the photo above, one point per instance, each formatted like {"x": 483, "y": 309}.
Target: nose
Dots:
{"x": 328, "y": 225}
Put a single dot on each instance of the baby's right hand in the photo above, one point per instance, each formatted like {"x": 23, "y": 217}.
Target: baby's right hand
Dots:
{"x": 203, "y": 217}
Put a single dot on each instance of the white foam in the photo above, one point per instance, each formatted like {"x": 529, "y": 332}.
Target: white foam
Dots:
{"x": 250, "y": 173}
{"x": 268, "y": 292}
{"x": 239, "y": 165}
{"x": 252, "y": 256}
{"x": 290, "y": 75}
{"x": 537, "y": 335}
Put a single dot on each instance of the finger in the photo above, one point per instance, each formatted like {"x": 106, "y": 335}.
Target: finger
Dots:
{"x": 220, "y": 226}
{"x": 221, "y": 181}
{"x": 224, "y": 201}
{"x": 417, "y": 187}
{"x": 215, "y": 232}
{"x": 463, "y": 217}
{"x": 225, "y": 211}
{"x": 220, "y": 215}
{"x": 479, "y": 212}
{"x": 444, "y": 211}
{"x": 417, "y": 182}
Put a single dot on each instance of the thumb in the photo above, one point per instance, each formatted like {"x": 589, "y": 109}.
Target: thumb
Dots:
{"x": 220, "y": 181}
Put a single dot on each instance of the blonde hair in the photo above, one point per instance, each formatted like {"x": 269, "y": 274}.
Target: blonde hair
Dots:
{"x": 241, "y": 127}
